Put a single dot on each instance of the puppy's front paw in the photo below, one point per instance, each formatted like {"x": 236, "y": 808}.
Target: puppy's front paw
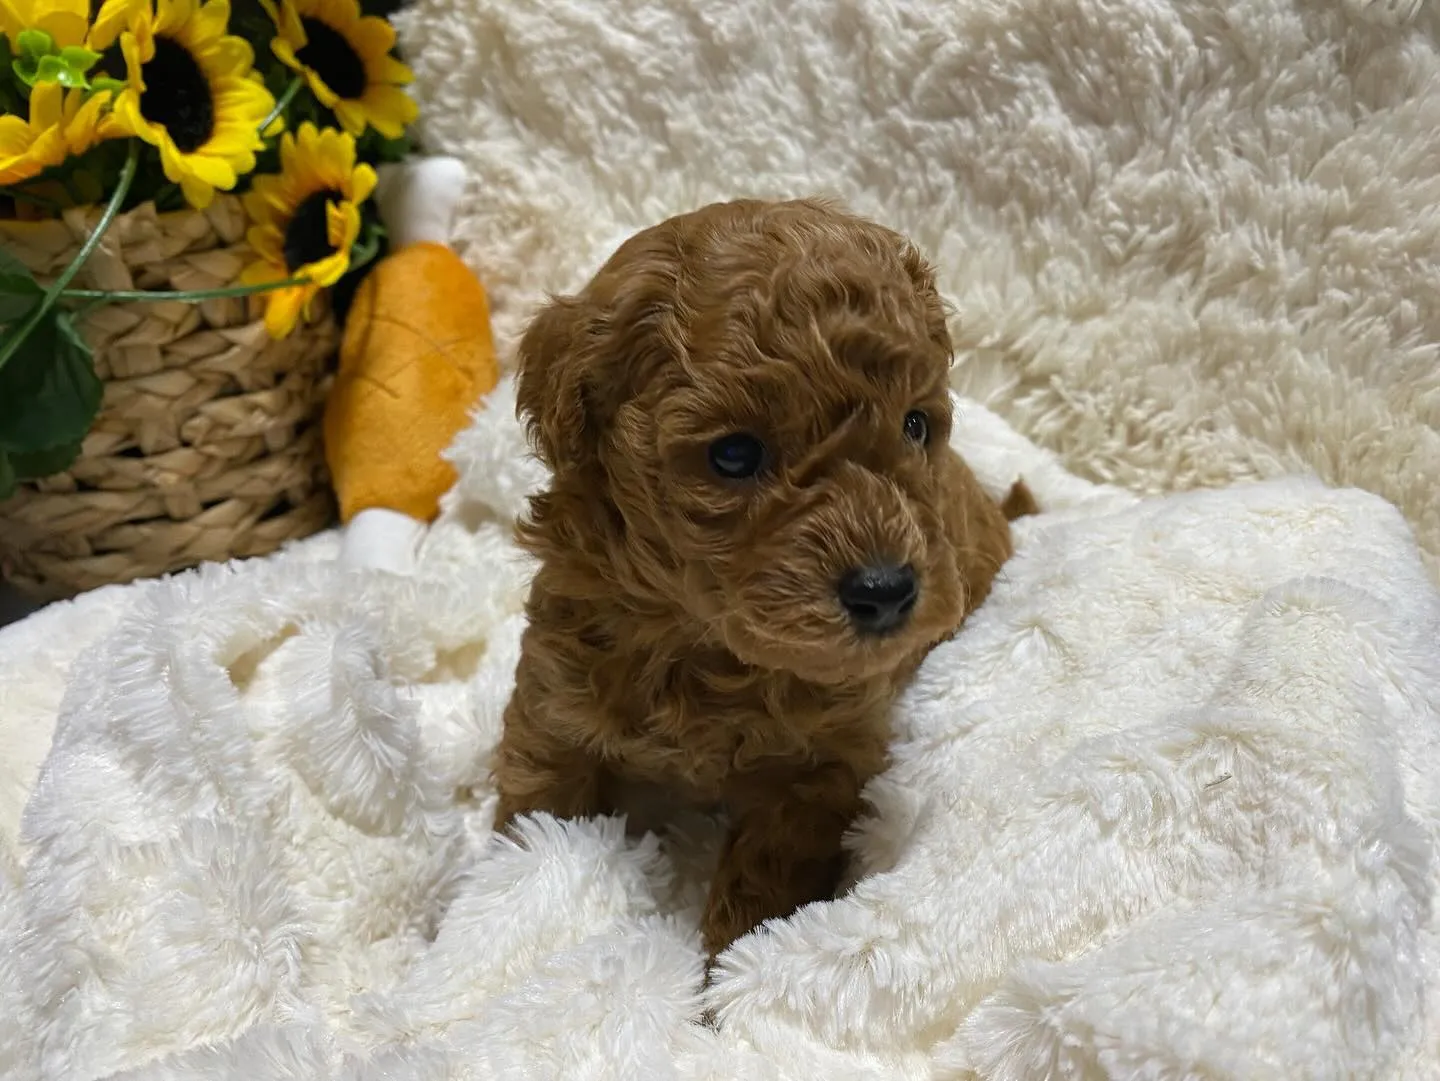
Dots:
{"x": 752, "y": 886}
{"x": 725, "y": 920}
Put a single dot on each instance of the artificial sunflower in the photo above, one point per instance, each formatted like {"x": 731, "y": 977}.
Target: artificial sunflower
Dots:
{"x": 305, "y": 220}
{"x": 62, "y": 123}
{"x": 189, "y": 90}
{"x": 345, "y": 59}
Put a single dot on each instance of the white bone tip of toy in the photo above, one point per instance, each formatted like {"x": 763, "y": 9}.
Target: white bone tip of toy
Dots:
{"x": 381, "y": 539}
{"x": 417, "y": 199}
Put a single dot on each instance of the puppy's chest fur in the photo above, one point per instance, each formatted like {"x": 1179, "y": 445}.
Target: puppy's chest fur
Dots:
{"x": 688, "y": 717}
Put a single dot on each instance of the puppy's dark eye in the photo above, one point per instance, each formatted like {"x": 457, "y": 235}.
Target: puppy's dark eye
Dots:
{"x": 917, "y": 427}
{"x": 737, "y": 456}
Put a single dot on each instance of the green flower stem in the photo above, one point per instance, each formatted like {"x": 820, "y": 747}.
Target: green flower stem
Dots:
{"x": 119, "y": 296}
{"x": 12, "y": 344}
{"x": 285, "y": 99}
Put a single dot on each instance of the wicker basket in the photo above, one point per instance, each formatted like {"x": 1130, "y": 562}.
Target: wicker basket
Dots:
{"x": 207, "y": 445}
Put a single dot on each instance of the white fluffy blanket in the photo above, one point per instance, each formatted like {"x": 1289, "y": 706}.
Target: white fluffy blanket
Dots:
{"x": 1168, "y": 807}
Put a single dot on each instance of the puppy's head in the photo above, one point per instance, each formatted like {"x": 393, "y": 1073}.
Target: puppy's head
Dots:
{"x": 746, "y": 416}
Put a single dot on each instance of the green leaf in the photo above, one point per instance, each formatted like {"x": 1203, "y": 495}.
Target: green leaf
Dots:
{"x": 41, "y": 62}
{"x": 374, "y": 147}
{"x": 19, "y": 292}
{"x": 42, "y": 463}
{"x": 34, "y": 46}
{"x": 55, "y": 69}
{"x": 79, "y": 59}
{"x": 51, "y": 69}
{"x": 368, "y": 244}
{"x": 49, "y": 392}
{"x": 27, "y": 70}
{"x": 35, "y": 43}
{"x": 7, "y": 477}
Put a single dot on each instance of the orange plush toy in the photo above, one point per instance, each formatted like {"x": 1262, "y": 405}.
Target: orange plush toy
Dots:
{"x": 416, "y": 356}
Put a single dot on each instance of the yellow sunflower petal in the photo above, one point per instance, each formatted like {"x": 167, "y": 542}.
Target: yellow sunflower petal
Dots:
{"x": 262, "y": 273}
{"x": 342, "y": 224}
{"x": 226, "y": 55}
{"x": 370, "y": 36}
{"x": 231, "y": 96}
{"x": 15, "y": 136}
{"x": 308, "y": 312}
{"x": 27, "y": 149}
{"x": 303, "y": 142}
{"x": 137, "y": 48}
{"x": 197, "y": 194}
{"x": 210, "y": 23}
{"x": 269, "y": 199}
{"x": 125, "y": 118}
{"x": 285, "y": 53}
{"x": 327, "y": 271}
{"x": 209, "y": 169}
{"x": 67, "y": 27}
{"x": 113, "y": 17}
{"x": 282, "y": 311}
{"x": 287, "y": 22}
{"x": 171, "y": 16}
{"x": 171, "y": 160}
{"x": 362, "y": 184}
{"x": 111, "y": 127}
{"x": 351, "y": 114}
{"x": 332, "y": 154}
{"x": 64, "y": 20}
{"x": 16, "y": 143}
{"x": 46, "y": 105}
{"x": 390, "y": 110}
{"x": 21, "y": 168}
{"x": 268, "y": 243}
{"x": 386, "y": 69}
{"x": 287, "y": 145}
{"x": 11, "y": 22}
{"x": 256, "y": 211}
{"x": 319, "y": 88}
{"x": 83, "y": 120}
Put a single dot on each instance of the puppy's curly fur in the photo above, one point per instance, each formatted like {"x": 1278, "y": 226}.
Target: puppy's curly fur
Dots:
{"x": 685, "y": 630}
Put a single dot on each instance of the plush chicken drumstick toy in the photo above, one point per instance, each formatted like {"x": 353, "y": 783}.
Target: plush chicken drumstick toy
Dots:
{"x": 416, "y": 355}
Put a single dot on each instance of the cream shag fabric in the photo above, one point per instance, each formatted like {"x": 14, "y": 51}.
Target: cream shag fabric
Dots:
{"x": 1188, "y": 241}
{"x": 1169, "y": 807}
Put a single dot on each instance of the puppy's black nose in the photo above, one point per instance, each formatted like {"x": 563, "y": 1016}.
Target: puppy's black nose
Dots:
{"x": 879, "y": 599}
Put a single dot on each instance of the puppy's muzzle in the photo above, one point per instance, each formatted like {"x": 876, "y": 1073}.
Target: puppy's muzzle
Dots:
{"x": 879, "y": 599}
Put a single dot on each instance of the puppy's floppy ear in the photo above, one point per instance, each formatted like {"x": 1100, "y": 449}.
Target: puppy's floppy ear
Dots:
{"x": 551, "y": 390}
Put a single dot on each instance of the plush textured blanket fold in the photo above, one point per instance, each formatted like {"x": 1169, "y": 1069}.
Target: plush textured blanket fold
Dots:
{"x": 1167, "y": 807}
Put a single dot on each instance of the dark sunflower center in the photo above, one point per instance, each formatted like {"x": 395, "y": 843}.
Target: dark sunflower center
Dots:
{"x": 329, "y": 55}
{"x": 177, "y": 96}
{"x": 307, "y": 240}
